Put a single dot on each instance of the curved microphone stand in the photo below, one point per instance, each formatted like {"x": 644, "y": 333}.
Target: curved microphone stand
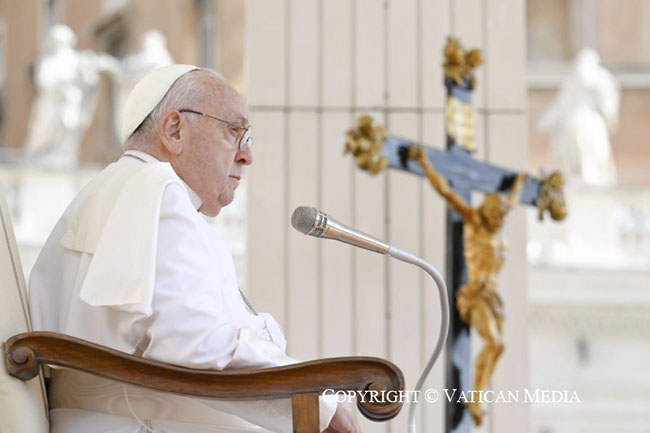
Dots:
{"x": 444, "y": 321}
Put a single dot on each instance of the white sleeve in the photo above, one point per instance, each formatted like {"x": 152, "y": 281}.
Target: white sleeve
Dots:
{"x": 190, "y": 323}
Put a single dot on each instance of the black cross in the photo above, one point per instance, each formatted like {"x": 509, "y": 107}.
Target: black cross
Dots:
{"x": 464, "y": 174}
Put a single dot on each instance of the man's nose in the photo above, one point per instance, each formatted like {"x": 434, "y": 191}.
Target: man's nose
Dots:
{"x": 244, "y": 156}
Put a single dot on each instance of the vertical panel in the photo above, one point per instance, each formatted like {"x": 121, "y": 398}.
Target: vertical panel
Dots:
{"x": 507, "y": 138}
{"x": 434, "y": 22}
{"x": 337, "y": 52}
{"x": 369, "y": 277}
{"x": 338, "y": 300}
{"x": 467, "y": 22}
{"x": 369, "y": 272}
{"x": 435, "y": 27}
{"x": 404, "y": 280}
{"x": 303, "y": 52}
{"x": 266, "y": 52}
{"x": 369, "y": 194}
{"x": 337, "y": 289}
{"x": 505, "y": 61}
{"x": 267, "y": 216}
{"x": 303, "y": 272}
{"x": 433, "y": 250}
{"x": 467, "y": 25}
{"x": 369, "y": 48}
{"x": 402, "y": 54}
{"x": 228, "y": 49}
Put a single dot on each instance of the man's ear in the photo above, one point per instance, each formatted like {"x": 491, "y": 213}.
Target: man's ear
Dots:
{"x": 171, "y": 132}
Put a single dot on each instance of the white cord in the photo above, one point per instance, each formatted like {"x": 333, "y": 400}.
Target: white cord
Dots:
{"x": 444, "y": 322}
{"x": 126, "y": 396}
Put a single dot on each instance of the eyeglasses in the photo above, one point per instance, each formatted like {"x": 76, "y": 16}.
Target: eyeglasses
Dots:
{"x": 245, "y": 139}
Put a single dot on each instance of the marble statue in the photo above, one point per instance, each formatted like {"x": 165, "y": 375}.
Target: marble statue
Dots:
{"x": 151, "y": 54}
{"x": 581, "y": 118}
{"x": 67, "y": 87}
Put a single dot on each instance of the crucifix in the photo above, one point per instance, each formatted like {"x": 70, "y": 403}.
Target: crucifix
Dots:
{"x": 475, "y": 246}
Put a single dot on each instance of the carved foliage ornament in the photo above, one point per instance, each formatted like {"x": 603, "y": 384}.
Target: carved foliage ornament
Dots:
{"x": 365, "y": 143}
{"x": 460, "y": 64}
{"x": 551, "y": 197}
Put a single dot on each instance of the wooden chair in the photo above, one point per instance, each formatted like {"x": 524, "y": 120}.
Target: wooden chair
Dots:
{"x": 23, "y": 401}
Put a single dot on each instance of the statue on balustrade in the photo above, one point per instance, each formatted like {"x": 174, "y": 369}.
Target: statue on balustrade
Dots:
{"x": 581, "y": 118}
{"x": 67, "y": 88}
{"x": 152, "y": 53}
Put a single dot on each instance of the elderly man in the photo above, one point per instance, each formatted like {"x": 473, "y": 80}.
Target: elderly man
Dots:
{"x": 134, "y": 266}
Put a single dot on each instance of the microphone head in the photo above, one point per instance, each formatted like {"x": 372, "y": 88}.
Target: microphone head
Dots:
{"x": 304, "y": 219}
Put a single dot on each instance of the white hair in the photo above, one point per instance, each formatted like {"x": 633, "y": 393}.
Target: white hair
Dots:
{"x": 185, "y": 90}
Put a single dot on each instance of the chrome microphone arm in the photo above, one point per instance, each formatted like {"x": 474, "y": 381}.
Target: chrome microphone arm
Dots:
{"x": 321, "y": 225}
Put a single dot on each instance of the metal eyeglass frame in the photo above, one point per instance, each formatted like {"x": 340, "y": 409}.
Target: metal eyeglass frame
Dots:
{"x": 243, "y": 141}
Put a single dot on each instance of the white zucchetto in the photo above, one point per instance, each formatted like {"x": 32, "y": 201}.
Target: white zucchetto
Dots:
{"x": 147, "y": 94}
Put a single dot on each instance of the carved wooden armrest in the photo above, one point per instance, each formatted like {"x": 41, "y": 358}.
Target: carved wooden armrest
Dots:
{"x": 301, "y": 382}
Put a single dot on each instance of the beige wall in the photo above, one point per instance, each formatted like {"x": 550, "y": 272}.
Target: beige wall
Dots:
{"x": 623, "y": 38}
{"x": 312, "y": 67}
{"x": 22, "y": 20}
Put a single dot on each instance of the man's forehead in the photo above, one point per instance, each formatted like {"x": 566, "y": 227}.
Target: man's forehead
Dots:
{"x": 214, "y": 86}
{"x": 223, "y": 97}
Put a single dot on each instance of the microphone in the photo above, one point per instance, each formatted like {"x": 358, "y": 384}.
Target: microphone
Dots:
{"x": 312, "y": 222}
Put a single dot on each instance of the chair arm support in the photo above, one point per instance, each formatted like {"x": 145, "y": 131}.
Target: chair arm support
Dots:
{"x": 25, "y": 353}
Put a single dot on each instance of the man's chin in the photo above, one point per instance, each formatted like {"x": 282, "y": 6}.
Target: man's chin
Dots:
{"x": 225, "y": 199}
{"x": 210, "y": 212}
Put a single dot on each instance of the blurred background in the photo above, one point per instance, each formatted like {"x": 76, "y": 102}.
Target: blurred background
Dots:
{"x": 565, "y": 86}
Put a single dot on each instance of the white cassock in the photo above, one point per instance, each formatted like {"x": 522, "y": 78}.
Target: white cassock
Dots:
{"x": 132, "y": 265}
